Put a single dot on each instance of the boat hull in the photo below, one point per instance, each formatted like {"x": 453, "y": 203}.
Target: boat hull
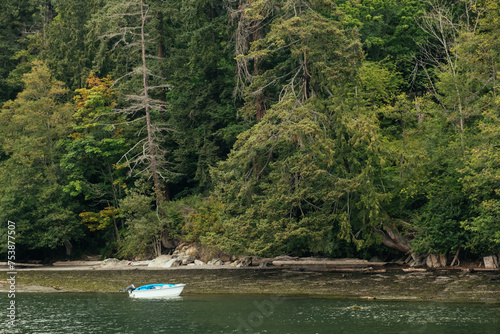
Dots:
{"x": 157, "y": 291}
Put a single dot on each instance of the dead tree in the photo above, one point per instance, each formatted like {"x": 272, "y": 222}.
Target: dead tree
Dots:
{"x": 127, "y": 27}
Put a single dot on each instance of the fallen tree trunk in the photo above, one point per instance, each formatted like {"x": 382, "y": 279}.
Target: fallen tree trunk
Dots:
{"x": 391, "y": 237}
{"x": 400, "y": 239}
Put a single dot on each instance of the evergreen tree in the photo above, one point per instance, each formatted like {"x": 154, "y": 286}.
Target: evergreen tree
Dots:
{"x": 200, "y": 109}
{"x": 65, "y": 50}
{"x": 480, "y": 175}
{"x": 23, "y": 25}
{"x": 390, "y": 36}
{"x": 307, "y": 172}
{"x": 32, "y": 182}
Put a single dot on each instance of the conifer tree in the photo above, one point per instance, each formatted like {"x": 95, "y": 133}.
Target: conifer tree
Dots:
{"x": 65, "y": 50}
{"x": 307, "y": 172}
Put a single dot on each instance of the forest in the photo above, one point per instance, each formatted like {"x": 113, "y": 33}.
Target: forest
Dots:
{"x": 329, "y": 128}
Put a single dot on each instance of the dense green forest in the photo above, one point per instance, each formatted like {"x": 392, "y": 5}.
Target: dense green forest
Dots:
{"x": 260, "y": 127}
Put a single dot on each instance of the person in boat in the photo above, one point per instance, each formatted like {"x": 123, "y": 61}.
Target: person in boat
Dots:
{"x": 129, "y": 288}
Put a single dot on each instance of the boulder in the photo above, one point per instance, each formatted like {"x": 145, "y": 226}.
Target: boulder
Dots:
{"x": 199, "y": 262}
{"x": 187, "y": 249}
{"x": 186, "y": 259}
{"x": 224, "y": 257}
{"x": 180, "y": 250}
{"x": 172, "y": 263}
{"x": 216, "y": 262}
{"x": 165, "y": 261}
{"x": 160, "y": 261}
{"x": 265, "y": 263}
{"x": 191, "y": 250}
{"x": 245, "y": 261}
{"x": 114, "y": 263}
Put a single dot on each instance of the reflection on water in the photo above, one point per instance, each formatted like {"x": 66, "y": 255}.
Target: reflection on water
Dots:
{"x": 117, "y": 313}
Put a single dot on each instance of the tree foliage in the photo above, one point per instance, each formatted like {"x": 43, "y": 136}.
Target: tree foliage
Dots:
{"x": 32, "y": 128}
{"x": 92, "y": 152}
{"x": 260, "y": 127}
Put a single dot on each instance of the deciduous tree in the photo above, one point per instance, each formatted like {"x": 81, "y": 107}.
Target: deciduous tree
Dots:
{"x": 32, "y": 193}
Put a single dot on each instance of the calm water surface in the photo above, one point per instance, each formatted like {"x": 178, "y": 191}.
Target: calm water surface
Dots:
{"x": 117, "y": 313}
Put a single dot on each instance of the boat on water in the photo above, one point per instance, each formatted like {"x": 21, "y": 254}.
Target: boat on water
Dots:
{"x": 155, "y": 290}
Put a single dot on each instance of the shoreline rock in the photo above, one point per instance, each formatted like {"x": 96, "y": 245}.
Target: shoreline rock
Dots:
{"x": 189, "y": 255}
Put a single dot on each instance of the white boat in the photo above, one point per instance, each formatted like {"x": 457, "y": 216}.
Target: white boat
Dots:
{"x": 157, "y": 291}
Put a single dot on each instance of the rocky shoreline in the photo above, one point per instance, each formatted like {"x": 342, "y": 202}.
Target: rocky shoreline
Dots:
{"x": 188, "y": 255}
{"x": 370, "y": 282}
{"x": 219, "y": 273}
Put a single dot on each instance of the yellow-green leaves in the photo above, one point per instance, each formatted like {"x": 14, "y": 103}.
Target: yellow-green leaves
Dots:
{"x": 100, "y": 220}
{"x": 33, "y": 126}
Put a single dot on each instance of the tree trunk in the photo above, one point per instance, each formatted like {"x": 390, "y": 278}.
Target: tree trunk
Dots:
{"x": 490, "y": 262}
{"x": 257, "y": 68}
{"x": 435, "y": 260}
{"x": 152, "y": 151}
{"x": 117, "y": 233}
{"x": 455, "y": 258}
{"x": 69, "y": 247}
{"x": 393, "y": 239}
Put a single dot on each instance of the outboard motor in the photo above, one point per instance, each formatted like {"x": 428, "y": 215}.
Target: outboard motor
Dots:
{"x": 129, "y": 288}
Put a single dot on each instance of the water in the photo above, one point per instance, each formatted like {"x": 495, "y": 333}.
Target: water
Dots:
{"x": 116, "y": 313}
